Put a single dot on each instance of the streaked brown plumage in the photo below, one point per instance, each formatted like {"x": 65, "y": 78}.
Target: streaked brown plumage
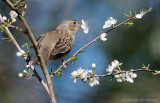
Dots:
{"x": 56, "y": 44}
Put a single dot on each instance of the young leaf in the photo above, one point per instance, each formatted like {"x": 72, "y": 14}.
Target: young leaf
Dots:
{"x": 126, "y": 14}
{"x": 82, "y": 51}
{"x": 154, "y": 73}
{"x": 130, "y": 23}
{"x": 60, "y": 73}
{"x": 25, "y": 45}
{"x": 72, "y": 59}
{"x": 130, "y": 13}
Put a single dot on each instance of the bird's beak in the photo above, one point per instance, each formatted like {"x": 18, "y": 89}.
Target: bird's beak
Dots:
{"x": 79, "y": 25}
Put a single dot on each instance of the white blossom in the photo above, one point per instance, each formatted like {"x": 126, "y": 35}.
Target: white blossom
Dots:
{"x": 111, "y": 21}
{"x": 13, "y": 14}
{"x": 114, "y": 64}
{"x": 130, "y": 76}
{"x": 24, "y": 71}
{"x": 93, "y": 65}
{"x": 84, "y": 75}
{"x": 75, "y": 80}
{"x": 109, "y": 69}
{"x": 21, "y": 53}
{"x": 4, "y": 18}
{"x": 94, "y": 81}
{"x": 120, "y": 77}
{"x": 13, "y": 20}
{"x": 90, "y": 71}
{"x": 103, "y": 36}
{"x": 85, "y": 26}
{"x": 27, "y": 66}
{"x": 141, "y": 14}
{"x": 79, "y": 71}
{"x": 21, "y": 75}
{"x": 74, "y": 74}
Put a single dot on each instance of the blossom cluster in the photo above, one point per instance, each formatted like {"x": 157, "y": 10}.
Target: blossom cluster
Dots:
{"x": 111, "y": 21}
{"x": 115, "y": 64}
{"x": 85, "y": 75}
{"x": 13, "y": 16}
{"x": 113, "y": 69}
{"x": 120, "y": 75}
{"x": 23, "y": 74}
{"x": 126, "y": 76}
{"x": 141, "y": 14}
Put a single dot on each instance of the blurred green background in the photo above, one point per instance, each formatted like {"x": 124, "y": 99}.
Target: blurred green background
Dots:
{"x": 130, "y": 45}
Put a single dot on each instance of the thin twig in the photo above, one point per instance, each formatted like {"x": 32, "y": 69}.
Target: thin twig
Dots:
{"x": 121, "y": 72}
{"x": 65, "y": 62}
{"x": 18, "y": 1}
{"x": 17, "y": 28}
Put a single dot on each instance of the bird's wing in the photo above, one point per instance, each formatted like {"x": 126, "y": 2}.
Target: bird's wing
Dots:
{"x": 64, "y": 44}
{"x": 46, "y": 43}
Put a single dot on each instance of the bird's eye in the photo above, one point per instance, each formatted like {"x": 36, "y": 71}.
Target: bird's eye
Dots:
{"x": 74, "y": 22}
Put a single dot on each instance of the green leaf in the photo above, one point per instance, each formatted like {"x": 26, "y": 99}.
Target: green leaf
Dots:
{"x": 135, "y": 13}
{"x": 154, "y": 73}
{"x": 53, "y": 73}
{"x": 82, "y": 51}
{"x": 130, "y": 23}
{"x": 110, "y": 79}
{"x": 51, "y": 70}
{"x": 72, "y": 59}
{"x": 130, "y": 13}
{"x": 143, "y": 66}
{"x": 25, "y": 45}
{"x": 126, "y": 14}
{"x": 149, "y": 10}
{"x": 60, "y": 70}
{"x": 59, "y": 74}
{"x": 5, "y": 38}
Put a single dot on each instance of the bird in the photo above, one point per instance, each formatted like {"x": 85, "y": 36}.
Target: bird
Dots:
{"x": 57, "y": 43}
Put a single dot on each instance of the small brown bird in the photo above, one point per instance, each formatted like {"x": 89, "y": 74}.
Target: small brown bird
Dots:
{"x": 58, "y": 43}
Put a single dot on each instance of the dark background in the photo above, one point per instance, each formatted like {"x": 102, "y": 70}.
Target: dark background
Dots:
{"x": 130, "y": 45}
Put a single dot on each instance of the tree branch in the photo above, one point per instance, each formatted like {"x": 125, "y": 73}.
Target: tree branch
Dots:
{"x": 39, "y": 56}
{"x": 38, "y": 53}
{"x": 19, "y": 49}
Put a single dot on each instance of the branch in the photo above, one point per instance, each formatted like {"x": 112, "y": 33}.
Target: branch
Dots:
{"x": 136, "y": 70}
{"x": 38, "y": 53}
{"x": 19, "y": 49}
{"x": 10, "y": 4}
{"x": 114, "y": 27}
{"x": 17, "y": 28}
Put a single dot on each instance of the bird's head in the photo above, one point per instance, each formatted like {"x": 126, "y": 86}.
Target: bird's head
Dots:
{"x": 70, "y": 26}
